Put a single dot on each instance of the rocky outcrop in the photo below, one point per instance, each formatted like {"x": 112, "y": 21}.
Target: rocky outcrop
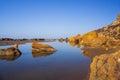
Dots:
{"x": 112, "y": 30}
{"x": 12, "y": 51}
{"x": 75, "y": 39}
{"x": 105, "y": 67}
{"x": 61, "y": 40}
{"x": 36, "y": 47}
{"x": 105, "y": 63}
{"x": 109, "y": 34}
{"x": 90, "y": 36}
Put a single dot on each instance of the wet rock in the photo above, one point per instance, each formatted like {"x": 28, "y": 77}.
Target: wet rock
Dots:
{"x": 36, "y": 47}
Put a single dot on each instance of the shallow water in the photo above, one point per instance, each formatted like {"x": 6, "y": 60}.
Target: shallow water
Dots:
{"x": 67, "y": 63}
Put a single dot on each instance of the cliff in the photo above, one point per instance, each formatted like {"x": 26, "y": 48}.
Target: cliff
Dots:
{"x": 109, "y": 35}
{"x": 112, "y": 30}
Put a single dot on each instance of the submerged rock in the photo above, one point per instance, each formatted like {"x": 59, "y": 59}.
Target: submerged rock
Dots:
{"x": 36, "y": 47}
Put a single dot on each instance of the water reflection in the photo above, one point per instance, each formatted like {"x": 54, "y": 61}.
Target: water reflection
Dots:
{"x": 62, "y": 40}
{"x": 40, "y": 54}
{"x": 9, "y": 58}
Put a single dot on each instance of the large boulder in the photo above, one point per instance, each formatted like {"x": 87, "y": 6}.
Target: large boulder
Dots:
{"x": 36, "y": 47}
{"x": 105, "y": 67}
{"x": 90, "y": 36}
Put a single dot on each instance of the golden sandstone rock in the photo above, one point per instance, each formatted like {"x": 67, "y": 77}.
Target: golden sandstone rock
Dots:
{"x": 41, "y": 50}
{"x": 105, "y": 67}
{"x": 42, "y": 47}
{"x": 108, "y": 34}
{"x": 16, "y": 46}
{"x": 118, "y": 18}
{"x": 89, "y": 37}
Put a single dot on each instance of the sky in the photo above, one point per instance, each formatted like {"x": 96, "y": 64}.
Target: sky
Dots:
{"x": 54, "y": 18}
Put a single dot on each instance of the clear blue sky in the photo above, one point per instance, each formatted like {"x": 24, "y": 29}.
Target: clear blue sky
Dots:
{"x": 54, "y": 18}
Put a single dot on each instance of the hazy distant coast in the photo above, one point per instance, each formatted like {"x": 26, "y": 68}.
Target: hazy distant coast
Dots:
{"x": 10, "y": 41}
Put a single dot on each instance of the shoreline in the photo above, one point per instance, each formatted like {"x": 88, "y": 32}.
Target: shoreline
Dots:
{"x": 12, "y": 42}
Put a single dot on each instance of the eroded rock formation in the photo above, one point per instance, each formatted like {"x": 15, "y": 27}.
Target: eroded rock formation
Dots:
{"x": 109, "y": 34}
{"x": 105, "y": 67}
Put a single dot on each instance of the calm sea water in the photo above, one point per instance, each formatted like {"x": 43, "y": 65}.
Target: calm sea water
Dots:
{"x": 67, "y": 63}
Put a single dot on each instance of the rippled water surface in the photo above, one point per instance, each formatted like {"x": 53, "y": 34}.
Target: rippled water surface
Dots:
{"x": 67, "y": 63}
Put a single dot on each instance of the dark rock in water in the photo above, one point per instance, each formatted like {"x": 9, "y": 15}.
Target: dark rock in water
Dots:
{"x": 61, "y": 40}
{"x": 41, "y": 49}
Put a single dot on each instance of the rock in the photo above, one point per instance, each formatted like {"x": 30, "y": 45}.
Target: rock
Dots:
{"x": 90, "y": 36}
{"x": 109, "y": 33}
{"x": 105, "y": 67}
{"x": 9, "y": 51}
{"x": 118, "y": 18}
{"x": 112, "y": 30}
{"x": 36, "y": 47}
{"x": 72, "y": 39}
{"x": 61, "y": 40}
{"x": 75, "y": 39}
{"x": 12, "y": 51}
{"x": 16, "y": 46}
